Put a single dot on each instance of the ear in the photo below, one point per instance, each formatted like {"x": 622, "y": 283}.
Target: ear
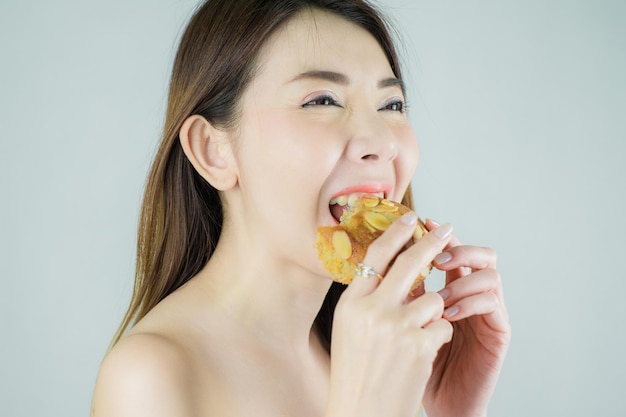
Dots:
{"x": 209, "y": 151}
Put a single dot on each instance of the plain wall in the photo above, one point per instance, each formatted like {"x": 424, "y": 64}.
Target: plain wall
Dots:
{"x": 520, "y": 109}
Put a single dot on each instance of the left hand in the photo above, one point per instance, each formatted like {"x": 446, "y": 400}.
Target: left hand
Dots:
{"x": 467, "y": 368}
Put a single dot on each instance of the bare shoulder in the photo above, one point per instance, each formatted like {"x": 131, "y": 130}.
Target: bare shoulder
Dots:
{"x": 143, "y": 375}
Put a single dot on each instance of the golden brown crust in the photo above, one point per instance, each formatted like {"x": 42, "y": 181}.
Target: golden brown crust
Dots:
{"x": 342, "y": 247}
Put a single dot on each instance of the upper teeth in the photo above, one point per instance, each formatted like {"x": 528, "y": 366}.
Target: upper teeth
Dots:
{"x": 350, "y": 199}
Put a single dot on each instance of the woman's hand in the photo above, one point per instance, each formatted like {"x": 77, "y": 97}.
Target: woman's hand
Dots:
{"x": 383, "y": 343}
{"x": 466, "y": 369}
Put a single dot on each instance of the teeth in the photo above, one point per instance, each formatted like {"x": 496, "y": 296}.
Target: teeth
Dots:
{"x": 342, "y": 200}
{"x": 350, "y": 199}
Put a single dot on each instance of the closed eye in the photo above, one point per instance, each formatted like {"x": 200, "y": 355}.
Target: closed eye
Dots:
{"x": 321, "y": 101}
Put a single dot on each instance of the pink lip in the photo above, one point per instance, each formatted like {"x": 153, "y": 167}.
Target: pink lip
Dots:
{"x": 371, "y": 188}
{"x": 365, "y": 188}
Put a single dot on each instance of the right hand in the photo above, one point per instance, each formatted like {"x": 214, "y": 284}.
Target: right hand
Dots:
{"x": 384, "y": 342}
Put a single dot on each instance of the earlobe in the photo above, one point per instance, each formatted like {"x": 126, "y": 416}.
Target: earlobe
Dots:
{"x": 209, "y": 151}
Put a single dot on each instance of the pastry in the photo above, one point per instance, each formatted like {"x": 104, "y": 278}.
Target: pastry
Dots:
{"x": 342, "y": 247}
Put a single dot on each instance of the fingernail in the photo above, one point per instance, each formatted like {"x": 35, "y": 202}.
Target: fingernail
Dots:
{"x": 452, "y": 311}
{"x": 409, "y": 218}
{"x": 443, "y": 231}
{"x": 433, "y": 222}
{"x": 443, "y": 257}
{"x": 444, "y": 293}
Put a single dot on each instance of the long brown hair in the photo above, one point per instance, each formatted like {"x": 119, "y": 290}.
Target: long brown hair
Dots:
{"x": 181, "y": 215}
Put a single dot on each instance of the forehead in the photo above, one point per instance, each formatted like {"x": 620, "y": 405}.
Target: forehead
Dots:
{"x": 315, "y": 39}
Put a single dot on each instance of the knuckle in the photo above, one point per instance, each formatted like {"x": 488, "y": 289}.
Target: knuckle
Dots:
{"x": 427, "y": 342}
{"x": 483, "y": 257}
{"x": 494, "y": 299}
{"x": 434, "y": 299}
{"x": 432, "y": 239}
{"x": 492, "y": 256}
{"x": 405, "y": 259}
{"x": 362, "y": 312}
{"x": 490, "y": 273}
{"x": 405, "y": 256}
{"x": 494, "y": 276}
{"x": 447, "y": 330}
{"x": 460, "y": 251}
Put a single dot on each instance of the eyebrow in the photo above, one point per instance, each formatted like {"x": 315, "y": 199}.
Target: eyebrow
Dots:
{"x": 338, "y": 78}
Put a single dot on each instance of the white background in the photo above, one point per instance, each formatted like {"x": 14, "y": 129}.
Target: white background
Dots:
{"x": 520, "y": 108}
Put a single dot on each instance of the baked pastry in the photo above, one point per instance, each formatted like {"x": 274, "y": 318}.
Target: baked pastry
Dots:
{"x": 342, "y": 247}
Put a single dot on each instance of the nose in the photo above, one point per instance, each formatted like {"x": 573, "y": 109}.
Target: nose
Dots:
{"x": 371, "y": 140}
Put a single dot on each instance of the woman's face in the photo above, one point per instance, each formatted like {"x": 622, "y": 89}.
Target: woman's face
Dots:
{"x": 323, "y": 118}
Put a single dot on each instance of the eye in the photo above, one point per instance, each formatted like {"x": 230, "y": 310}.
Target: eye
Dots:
{"x": 321, "y": 101}
{"x": 396, "y": 105}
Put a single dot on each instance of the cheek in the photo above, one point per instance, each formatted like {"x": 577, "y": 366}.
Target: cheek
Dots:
{"x": 408, "y": 156}
{"x": 412, "y": 152}
{"x": 296, "y": 145}
{"x": 285, "y": 158}
{"x": 283, "y": 165}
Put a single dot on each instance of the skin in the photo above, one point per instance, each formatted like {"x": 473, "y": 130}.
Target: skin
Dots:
{"x": 236, "y": 339}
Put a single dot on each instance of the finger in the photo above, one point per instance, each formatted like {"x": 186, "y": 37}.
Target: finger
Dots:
{"x": 432, "y": 224}
{"x": 451, "y": 274}
{"x": 475, "y": 283}
{"x": 425, "y": 309}
{"x": 415, "y": 292}
{"x": 411, "y": 262}
{"x": 427, "y": 341}
{"x": 479, "y": 304}
{"x": 382, "y": 251}
{"x": 442, "y": 331}
{"x": 473, "y": 257}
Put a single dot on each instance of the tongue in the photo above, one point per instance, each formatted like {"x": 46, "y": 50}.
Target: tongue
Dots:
{"x": 336, "y": 210}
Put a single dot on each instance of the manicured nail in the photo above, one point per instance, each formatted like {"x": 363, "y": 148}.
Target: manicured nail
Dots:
{"x": 444, "y": 293}
{"x": 442, "y": 258}
{"x": 433, "y": 222}
{"x": 409, "y": 218}
{"x": 452, "y": 311}
{"x": 443, "y": 231}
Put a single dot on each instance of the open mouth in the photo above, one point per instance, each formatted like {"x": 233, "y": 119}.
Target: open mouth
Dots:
{"x": 338, "y": 205}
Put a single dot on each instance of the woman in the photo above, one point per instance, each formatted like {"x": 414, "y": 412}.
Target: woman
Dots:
{"x": 275, "y": 108}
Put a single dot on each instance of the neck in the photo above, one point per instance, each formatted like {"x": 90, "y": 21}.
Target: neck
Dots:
{"x": 274, "y": 300}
